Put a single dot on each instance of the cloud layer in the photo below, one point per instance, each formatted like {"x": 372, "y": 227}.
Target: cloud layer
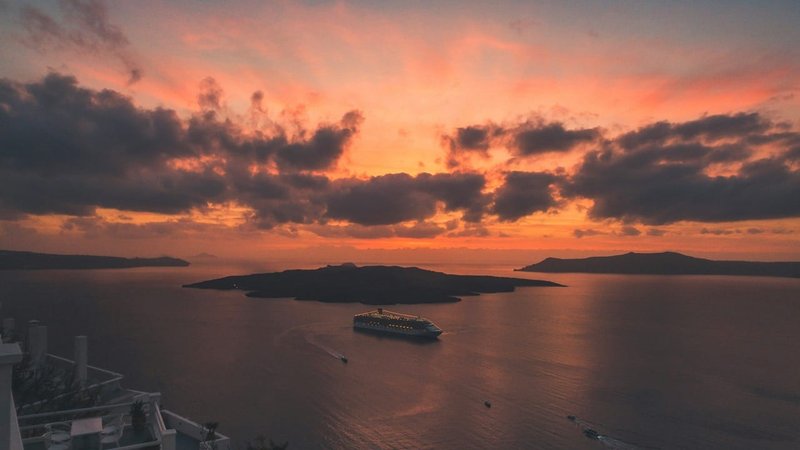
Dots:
{"x": 718, "y": 168}
{"x": 532, "y": 137}
{"x": 715, "y": 169}
{"x": 66, "y": 149}
{"x": 69, "y": 150}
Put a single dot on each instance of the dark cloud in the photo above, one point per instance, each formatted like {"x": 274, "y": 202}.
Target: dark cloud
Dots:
{"x": 270, "y": 210}
{"x": 793, "y": 154}
{"x": 256, "y": 101}
{"x": 93, "y": 16}
{"x": 659, "y": 193}
{"x": 751, "y": 230}
{"x": 474, "y": 230}
{"x": 579, "y": 233}
{"x": 353, "y": 231}
{"x": 151, "y": 190}
{"x": 628, "y": 231}
{"x": 525, "y": 139}
{"x": 656, "y": 133}
{"x": 94, "y": 227}
{"x": 717, "y": 231}
{"x": 395, "y": 198}
{"x": 419, "y": 230}
{"x": 723, "y": 126}
{"x": 708, "y": 129}
{"x": 69, "y": 150}
{"x": 728, "y": 154}
{"x": 522, "y": 194}
{"x": 660, "y": 174}
{"x": 681, "y": 152}
{"x": 211, "y": 95}
{"x": 656, "y": 232}
{"x": 278, "y": 199}
{"x": 56, "y": 127}
{"x": 85, "y": 27}
{"x": 534, "y": 138}
{"x": 65, "y": 149}
{"x": 324, "y": 148}
{"x": 42, "y": 29}
{"x": 458, "y": 192}
{"x": 471, "y": 139}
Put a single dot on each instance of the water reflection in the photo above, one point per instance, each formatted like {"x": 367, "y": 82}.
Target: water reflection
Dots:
{"x": 670, "y": 362}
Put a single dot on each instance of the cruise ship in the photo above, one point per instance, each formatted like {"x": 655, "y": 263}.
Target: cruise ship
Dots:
{"x": 384, "y": 321}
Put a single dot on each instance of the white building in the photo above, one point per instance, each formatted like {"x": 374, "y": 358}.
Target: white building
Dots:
{"x": 71, "y": 405}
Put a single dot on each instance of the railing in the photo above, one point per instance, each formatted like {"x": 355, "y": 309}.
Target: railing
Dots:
{"x": 194, "y": 430}
{"x": 164, "y": 425}
{"x": 168, "y": 436}
{"x": 114, "y": 375}
{"x": 70, "y": 412}
{"x": 155, "y": 441}
{"x": 113, "y": 380}
{"x": 156, "y": 422}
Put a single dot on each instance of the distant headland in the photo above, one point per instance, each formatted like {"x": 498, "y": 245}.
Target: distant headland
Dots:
{"x": 667, "y": 263}
{"x": 204, "y": 255}
{"x": 373, "y": 285}
{"x": 13, "y": 260}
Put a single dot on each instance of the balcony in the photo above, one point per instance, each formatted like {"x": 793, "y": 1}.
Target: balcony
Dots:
{"x": 163, "y": 430}
{"x": 71, "y": 405}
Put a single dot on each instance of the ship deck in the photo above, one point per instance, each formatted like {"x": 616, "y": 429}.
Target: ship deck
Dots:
{"x": 384, "y": 314}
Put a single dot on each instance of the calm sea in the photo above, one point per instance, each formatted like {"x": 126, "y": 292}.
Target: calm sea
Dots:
{"x": 671, "y": 362}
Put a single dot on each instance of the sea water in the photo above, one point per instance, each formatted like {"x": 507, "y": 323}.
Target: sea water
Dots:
{"x": 671, "y": 362}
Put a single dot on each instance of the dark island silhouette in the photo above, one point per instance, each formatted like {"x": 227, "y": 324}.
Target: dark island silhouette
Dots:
{"x": 372, "y": 285}
{"x": 13, "y": 260}
{"x": 666, "y": 263}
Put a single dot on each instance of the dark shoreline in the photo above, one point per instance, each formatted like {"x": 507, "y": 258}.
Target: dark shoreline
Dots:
{"x": 666, "y": 263}
{"x": 14, "y": 260}
{"x": 371, "y": 285}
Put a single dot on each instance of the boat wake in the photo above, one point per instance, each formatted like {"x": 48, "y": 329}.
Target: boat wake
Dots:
{"x": 280, "y": 337}
{"x": 591, "y": 431}
{"x": 326, "y": 349}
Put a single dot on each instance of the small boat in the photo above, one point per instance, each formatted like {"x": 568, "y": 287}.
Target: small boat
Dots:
{"x": 592, "y": 434}
{"x": 343, "y": 358}
{"x": 487, "y": 404}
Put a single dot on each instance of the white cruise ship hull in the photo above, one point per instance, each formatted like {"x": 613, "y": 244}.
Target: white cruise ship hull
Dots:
{"x": 400, "y": 331}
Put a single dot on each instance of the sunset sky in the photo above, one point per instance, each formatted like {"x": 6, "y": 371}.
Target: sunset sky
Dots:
{"x": 506, "y": 131}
